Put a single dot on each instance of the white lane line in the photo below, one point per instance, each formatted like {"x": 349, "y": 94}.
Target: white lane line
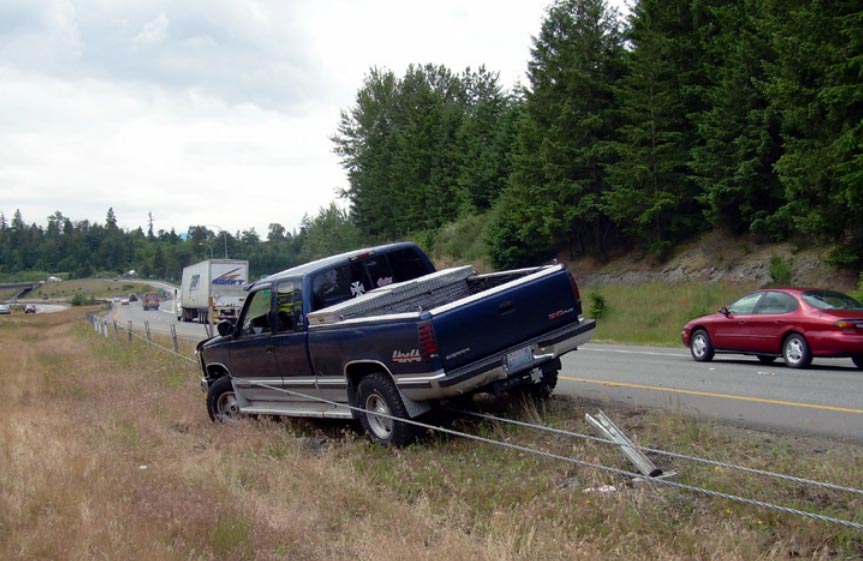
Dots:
{"x": 621, "y": 351}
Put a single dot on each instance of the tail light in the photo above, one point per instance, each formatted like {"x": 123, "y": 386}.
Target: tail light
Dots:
{"x": 575, "y": 292}
{"x": 849, "y": 324}
{"x": 427, "y": 341}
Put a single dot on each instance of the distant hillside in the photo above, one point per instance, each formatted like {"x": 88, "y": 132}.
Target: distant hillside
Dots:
{"x": 717, "y": 257}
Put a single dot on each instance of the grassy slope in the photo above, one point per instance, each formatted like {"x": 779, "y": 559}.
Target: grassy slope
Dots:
{"x": 95, "y": 288}
{"x": 106, "y": 452}
{"x": 653, "y": 313}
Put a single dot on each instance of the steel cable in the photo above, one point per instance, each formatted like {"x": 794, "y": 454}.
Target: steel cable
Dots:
{"x": 582, "y": 463}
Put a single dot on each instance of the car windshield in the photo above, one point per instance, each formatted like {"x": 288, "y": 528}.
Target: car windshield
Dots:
{"x": 831, "y": 300}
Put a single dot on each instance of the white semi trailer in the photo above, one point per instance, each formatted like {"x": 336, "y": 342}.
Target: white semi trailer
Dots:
{"x": 212, "y": 290}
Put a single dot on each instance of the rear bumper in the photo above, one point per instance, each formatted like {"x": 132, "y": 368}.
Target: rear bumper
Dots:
{"x": 835, "y": 343}
{"x": 474, "y": 377}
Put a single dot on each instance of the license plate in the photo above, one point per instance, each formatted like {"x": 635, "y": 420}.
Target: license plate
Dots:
{"x": 518, "y": 358}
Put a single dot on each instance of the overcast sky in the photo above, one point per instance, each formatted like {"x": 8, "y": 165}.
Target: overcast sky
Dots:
{"x": 214, "y": 112}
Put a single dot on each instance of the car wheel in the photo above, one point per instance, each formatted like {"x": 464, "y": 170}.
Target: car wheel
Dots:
{"x": 222, "y": 404}
{"x": 796, "y": 351}
{"x": 858, "y": 361}
{"x": 700, "y": 346}
{"x": 378, "y": 394}
{"x": 766, "y": 359}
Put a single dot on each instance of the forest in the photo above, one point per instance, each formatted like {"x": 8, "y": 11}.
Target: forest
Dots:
{"x": 642, "y": 131}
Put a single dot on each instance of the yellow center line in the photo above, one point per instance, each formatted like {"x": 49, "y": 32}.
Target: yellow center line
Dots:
{"x": 719, "y": 395}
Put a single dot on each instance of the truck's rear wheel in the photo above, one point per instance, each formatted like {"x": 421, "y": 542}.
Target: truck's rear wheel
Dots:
{"x": 378, "y": 394}
{"x": 544, "y": 388}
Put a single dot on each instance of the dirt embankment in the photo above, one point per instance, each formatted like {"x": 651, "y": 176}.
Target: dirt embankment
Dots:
{"x": 716, "y": 257}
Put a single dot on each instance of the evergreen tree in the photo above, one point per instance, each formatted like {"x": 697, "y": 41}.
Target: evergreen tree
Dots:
{"x": 562, "y": 145}
{"x": 816, "y": 86}
{"x": 652, "y": 195}
{"x": 739, "y": 133}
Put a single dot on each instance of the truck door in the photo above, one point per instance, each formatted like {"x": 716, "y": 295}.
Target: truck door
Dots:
{"x": 289, "y": 341}
{"x": 253, "y": 359}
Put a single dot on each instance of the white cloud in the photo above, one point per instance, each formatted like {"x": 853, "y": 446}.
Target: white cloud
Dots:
{"x": 155, "y": 31}
{"x": 212, "y": 111}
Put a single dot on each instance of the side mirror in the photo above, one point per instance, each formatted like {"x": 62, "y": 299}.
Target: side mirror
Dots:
{"x": 225, "y": 328}
{"x": 724, "y": 311}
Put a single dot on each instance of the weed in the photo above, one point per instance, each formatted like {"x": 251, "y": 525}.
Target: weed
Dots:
{"x": 597, "y": 305}
{"x": 780, "y": 271}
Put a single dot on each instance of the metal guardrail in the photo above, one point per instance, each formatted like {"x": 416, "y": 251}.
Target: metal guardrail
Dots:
{"x": 101, "y": 327}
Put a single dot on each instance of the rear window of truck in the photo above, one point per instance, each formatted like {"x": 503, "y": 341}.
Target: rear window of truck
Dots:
{"x": 366, "y": 273}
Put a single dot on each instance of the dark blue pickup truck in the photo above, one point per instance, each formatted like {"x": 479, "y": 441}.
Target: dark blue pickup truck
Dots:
{"x": 381, "y": 330}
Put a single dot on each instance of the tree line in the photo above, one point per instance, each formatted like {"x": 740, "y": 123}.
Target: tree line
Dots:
{"x": 80, "y": 249}
{"x": 687, "y": 116}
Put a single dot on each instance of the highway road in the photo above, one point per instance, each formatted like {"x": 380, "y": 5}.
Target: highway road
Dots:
{"x": 825, "y": 399}
{"x": 160, "y": 321}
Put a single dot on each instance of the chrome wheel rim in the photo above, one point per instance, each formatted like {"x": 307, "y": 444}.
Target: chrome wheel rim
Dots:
{"x": 794, "y": 350}
{"x": 227, "y": 407}
{"x": 382, "y": 427}
{"x": 699, "y": 345}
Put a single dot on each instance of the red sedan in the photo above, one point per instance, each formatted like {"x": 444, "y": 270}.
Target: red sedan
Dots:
{"x": 794, "y": 323}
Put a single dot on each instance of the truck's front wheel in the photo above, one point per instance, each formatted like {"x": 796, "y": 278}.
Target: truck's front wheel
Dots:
{"x": 222, "y": 404}
{"x": 378, "y": 394}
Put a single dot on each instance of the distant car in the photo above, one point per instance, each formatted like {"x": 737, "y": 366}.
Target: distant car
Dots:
{"x": 796, "y": 324}
{"x": 30, "y": 309}
{"x": 150, "y": 301}
{"x": 124, "y": 302}
{"x": 133, "y": 297}
{"x": 5, "y": 309}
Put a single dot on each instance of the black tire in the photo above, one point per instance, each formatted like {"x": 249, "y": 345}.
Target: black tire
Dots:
{"x": 858, "y": 361}
{"x": 766, "y": 359}
{"x": 222, "y": 405}
{"x": 700, "y": 346}
{"x": 543, "y": 389}
{"x": 377, "y": 392}
{"x": 795, "y": 351}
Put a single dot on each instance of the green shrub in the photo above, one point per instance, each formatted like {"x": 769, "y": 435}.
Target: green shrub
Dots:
{"x": 780, "y": 271}
{"x": 597, "y": 305}
{"x": 80, "y": 299}
{"x": 858, "y": 294}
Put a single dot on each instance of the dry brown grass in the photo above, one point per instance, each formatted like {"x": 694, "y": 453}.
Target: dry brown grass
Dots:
{"x": 106, "y": 452}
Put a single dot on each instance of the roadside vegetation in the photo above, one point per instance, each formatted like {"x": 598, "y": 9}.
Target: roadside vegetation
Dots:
{"x": 106, "y": 451}
{"x": 654, "y": 313}
{"x": 89, "y": 288}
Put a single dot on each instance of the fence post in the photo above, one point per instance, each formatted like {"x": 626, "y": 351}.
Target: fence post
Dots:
{"x": 130, "y": 331}
{"x": 147, "y": 329}
{"x": 116, "y": 330}
{"x": 104, "y": 330}
{"x": 174, "y": 338}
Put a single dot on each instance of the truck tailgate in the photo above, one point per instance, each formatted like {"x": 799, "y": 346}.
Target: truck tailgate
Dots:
{"x": 489, "y": 322}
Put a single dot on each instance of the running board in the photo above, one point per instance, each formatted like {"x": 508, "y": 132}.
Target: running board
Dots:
{"x": 296, "y": 409}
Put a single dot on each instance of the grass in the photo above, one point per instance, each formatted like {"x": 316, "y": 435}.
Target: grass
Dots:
{"x": 94, "y": 288}
{"x": 106, "y": 451}
{"x": 653, "y": 314}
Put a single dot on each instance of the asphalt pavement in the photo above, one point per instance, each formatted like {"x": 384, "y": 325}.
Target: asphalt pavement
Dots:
{"x": 825, "y": 399}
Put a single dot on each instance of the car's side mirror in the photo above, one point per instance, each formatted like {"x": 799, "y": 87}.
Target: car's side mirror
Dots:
{"x": 724, "y": 311}
{"x": 225, "y": 328}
